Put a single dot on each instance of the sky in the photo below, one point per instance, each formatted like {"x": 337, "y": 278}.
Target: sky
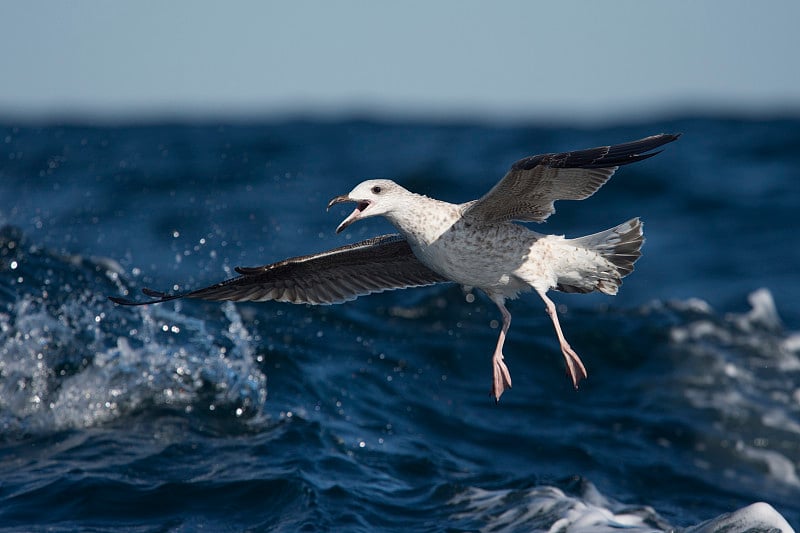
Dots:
{"x": 567, "y": 60}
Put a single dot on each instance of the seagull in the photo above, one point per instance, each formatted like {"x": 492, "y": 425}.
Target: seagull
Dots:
{"x": 477, "y": 244}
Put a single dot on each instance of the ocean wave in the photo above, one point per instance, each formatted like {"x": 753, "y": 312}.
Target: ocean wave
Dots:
{"x": 743, "y": 369}
{"x": 70, "y": 359}
{"x": 550, "y": 509}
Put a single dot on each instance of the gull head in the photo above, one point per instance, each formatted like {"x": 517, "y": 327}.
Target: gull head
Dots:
{"x": 372, "y": 198}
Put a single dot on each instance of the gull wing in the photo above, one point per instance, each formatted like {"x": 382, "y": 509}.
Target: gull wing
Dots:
{"x": 530, "y": 187}
{"x": 345, "y": 273}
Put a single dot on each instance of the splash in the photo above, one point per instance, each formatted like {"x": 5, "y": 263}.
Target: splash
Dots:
{"x": 69, "y": 358}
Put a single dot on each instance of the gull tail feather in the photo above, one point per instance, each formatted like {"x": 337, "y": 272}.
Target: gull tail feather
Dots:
{"x": 620, "y": 246}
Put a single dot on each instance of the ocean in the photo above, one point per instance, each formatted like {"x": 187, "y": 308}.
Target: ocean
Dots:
{"x": 375, "y": 415}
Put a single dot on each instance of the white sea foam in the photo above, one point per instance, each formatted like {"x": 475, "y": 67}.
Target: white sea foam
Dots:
{"x": 550, "y": 509}
{"x": 758, "y": 517}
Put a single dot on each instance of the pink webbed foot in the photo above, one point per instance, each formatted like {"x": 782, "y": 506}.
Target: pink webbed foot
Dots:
{"x": 575, "y": 367}
{"x": 502, "y": 377}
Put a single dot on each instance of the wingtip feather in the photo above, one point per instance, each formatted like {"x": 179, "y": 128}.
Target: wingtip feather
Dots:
{"x": 157, "y": 297}
{"x": 153, "y": 294}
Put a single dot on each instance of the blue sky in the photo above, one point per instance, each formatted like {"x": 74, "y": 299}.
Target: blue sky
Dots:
{"x": 586, "y": 60}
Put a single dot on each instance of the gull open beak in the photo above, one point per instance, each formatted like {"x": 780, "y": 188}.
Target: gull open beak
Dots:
{"x": 355, "y": 215}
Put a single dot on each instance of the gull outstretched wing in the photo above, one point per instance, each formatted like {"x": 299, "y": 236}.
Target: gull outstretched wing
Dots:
{"x": 530, "y": 187}
{"x": 345, "y": 273}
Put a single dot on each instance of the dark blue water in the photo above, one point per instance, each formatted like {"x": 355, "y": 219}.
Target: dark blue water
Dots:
{"x": 376, "y": 414}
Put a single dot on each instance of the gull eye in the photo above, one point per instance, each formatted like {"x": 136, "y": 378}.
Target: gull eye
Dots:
{"x": 376, "y": 190}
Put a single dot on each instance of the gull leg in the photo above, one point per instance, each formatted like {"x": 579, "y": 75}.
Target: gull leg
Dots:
{"x": 574, "y": 364}
{"x": 502, "y": 377}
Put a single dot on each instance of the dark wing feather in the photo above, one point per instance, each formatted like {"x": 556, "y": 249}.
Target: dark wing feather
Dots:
{"x": 344, "y": 273}
{"x": 530, "y": 187}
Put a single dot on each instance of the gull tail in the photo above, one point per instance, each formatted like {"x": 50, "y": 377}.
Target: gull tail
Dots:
{"x": 620, "y": 246}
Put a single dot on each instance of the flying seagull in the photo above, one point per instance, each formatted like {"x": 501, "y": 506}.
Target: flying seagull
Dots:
{"x": 476, "y": 244}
